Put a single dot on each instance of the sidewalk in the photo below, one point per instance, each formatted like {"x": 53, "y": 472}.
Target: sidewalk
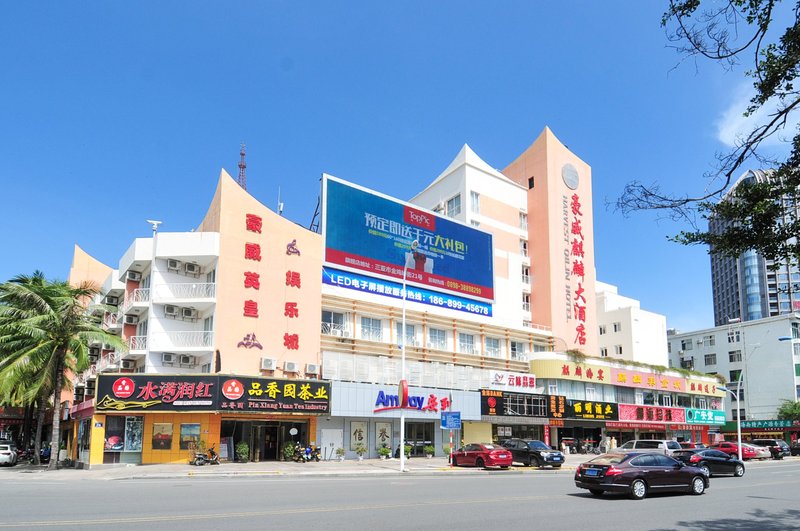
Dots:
{"x": 351, "y": 467}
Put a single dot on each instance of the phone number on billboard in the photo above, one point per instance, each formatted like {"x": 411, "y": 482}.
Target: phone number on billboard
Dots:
{"x": 457, "y": 305}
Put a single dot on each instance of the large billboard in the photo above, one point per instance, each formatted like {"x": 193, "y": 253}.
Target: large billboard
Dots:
{"x": 372, "y": 234}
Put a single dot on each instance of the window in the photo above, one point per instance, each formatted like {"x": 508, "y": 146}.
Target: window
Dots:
{"x": 686, "y": 344}
{"x": 474, "y": 223}
{"x": 734, "y": 356}
{"x": 526, "y": 275}
{"x": 795, "y": 330}
{"x": 475, "y": 202}
{"x": 493, "y": 347}
{"x": 523, "y": 247}
{"x": 797, "y": 369}
{"x": 454, "y": 206}
{"x": 649, "y": 398}
{"x": 734, "y": 336}
{"x": 526, "y": 302}
{"x": 371, "y": 329}
{"x": 332, "y": 321}
{"x": 710, "y": 359}
{"x": 411, "y": 336}
{"x": 666, "y": 400}
{"x": 206, "y": 367}
{"x": 590, "y": 393}
{"x": 552, "y": 388}
{"x": 617, "y": 327}
{"x": 602, "y": 330}
{"x": 437, "y": 339}
{"x": 604, "y": 352}
{"x": 518, "y": 351}
{"x": 734, "y": 375}
{"x": 523, "y": 221}
{"x": 618, "y": 350}
{"x": 530, "y": 182}
{"x": 709, "y": 341}
{"x": 737, "y": 414}
{"x": 466, "y": 343}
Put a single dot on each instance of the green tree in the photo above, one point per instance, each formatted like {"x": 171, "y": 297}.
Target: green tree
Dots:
{"x": 45, "y": 333}
{"x": 751, "y": 217}
{"x": 789, "y": 410}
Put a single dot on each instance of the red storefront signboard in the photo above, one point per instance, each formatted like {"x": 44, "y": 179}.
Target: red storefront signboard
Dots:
{"x": 637, "y": 413}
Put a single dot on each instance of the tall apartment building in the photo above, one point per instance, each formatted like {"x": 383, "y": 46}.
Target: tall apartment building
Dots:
{"x": 750, "y": 287}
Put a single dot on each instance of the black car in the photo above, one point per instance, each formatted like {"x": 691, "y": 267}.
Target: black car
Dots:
{"x": 531, "y": 452}
{"x": 637, "y": 474}
{"x": 711, "y": 461}
{"x": 777, "y": 447}
{"x": 795, "y": 448}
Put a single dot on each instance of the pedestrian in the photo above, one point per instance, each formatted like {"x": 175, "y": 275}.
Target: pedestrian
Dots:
{"x": 613, "y": 442}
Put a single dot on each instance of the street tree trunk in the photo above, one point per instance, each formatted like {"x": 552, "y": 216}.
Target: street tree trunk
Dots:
{"x": 37, "y": 440}
{"x": 55, "y": 441}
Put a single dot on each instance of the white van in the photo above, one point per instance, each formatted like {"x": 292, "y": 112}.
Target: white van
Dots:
{"x": 661, "y": 446}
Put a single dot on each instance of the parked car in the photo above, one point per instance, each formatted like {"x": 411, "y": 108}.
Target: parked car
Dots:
{"x": 778, "y": 448}
{"x": 8, "y": 457}
{"x": 661, "y": 446}
{"x": 711, "y": 461}
{"x": 794, "y": 448}
{"x": 637, "y": 474}
{"x": 482, "y": 455}
{"x": 761, "y": 451}
{"x": 689, "y": 445}
{"x": 748, "y": 452}
{"x": 531, "y": 452}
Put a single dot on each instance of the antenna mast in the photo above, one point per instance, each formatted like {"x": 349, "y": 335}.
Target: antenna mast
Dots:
{"x": 242, "y": 168}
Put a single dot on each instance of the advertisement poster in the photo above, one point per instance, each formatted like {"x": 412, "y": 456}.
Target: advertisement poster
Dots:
{"x": 370, "y": 233}
{"x": 162, "y": 436}
{"x": 190, "y": 435}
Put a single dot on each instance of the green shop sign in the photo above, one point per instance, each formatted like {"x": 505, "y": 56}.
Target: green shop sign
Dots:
{"x": 766, "y": 424}
{"x": 705, "y": 416}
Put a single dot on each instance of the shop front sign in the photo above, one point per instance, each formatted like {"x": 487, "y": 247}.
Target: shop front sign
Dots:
{"x": 512, "y": 381}
{"x": 769, "y": 424}
{"x": 639, "y": 413}
{"x": 502, "y": 403}
{"x": 705, "y": 416}
{"x": 132, "y": 392}
{"x": 591, "y": 410}
{"x": 431, "y": 403}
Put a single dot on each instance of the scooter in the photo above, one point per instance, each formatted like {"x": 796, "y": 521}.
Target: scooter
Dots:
{"x": 299, "y": 455}
{"x": 313, "y": 454}
{"x": 201, "y": 459}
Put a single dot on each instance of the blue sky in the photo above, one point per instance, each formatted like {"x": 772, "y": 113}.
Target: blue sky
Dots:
{"x": 112, "y": 113}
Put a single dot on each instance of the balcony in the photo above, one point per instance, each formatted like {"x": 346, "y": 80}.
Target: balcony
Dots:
{"x": 201, "y": 295}
{"x": 139, "y": 297}
{"x": 137, "y": 344}
{"x": 112, "y": 321}
{"x": 108, "y": 362}
{"x": 182, "y": 341}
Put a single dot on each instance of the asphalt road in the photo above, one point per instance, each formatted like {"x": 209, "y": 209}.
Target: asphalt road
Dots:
{"x": 767, "y": 498}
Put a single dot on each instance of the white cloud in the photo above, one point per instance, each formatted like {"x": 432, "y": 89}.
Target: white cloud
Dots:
{"x": 732, "y": 125}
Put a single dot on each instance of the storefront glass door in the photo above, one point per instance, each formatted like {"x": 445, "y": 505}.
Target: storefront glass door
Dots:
{"x": 419, "y": 435}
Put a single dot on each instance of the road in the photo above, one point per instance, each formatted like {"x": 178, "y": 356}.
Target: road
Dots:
{"x": 766, "y": 498}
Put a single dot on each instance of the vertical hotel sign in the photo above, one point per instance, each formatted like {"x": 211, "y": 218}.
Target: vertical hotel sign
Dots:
{"x": 252, "y": 281}
{"x": 574, "y": 274}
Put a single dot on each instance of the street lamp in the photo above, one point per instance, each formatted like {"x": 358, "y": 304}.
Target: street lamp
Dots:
{"x": 403, "y": 384}
{"x": 151, "y": 288}
{"x": 738, "y": 415}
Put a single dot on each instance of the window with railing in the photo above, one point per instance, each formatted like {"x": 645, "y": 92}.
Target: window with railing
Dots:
{"x": 437, "y": 339}
{"x": 371, "y": 329}
{"x": 493, "y": 347}
{"x": 411, "y": 334}
{"x": 333, "y": 323}
{"x": 466, "y": 343}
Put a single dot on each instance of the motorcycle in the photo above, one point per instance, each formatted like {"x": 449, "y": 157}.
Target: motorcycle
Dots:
{"x": 299, "y": 455}
{"x": 201, "y": 459}
{"x": 314, "y": 454}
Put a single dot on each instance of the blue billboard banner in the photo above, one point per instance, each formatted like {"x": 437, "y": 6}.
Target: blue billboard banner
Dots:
{"x": 370, "y": 233}
{"x": 346, "y": 279}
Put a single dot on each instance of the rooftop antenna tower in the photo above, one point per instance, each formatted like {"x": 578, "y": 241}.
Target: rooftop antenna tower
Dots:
{"x": 242, "y": 169}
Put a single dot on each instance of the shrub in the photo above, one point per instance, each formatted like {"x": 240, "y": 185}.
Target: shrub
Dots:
{"x": 429, "y": 450}
{"x": 384, "y": 451}
{"x": 242, "y": 451}
{"x": 360, "y": 449}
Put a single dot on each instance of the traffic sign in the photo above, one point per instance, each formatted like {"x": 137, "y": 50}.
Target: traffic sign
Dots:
{"x": 451, "y": 420}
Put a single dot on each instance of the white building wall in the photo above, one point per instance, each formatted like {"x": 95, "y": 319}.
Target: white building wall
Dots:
{"x": 768, "y": 360}
{"x": 641, "y": 334}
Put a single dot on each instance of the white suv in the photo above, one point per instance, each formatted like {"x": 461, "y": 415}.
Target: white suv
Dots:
{"x": 661, "y": 446}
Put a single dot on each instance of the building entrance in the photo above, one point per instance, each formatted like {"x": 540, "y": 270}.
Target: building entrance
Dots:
{"x": 265, "y": 439}
{"x": 419, "y": 435}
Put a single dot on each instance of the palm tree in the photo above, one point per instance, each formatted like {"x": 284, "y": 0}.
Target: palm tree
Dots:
{"x": 45, "y": 330}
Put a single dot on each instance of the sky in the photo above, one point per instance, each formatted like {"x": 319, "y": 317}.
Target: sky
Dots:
{"x": 112, "y": 113}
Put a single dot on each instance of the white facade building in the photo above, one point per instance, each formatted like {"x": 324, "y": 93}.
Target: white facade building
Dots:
{"x": 626, "y": 332}
{"x": 764, "y": 353}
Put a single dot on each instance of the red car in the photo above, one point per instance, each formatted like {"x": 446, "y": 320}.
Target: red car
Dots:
{"x": 482, "y": 455}
{"x": 733, "y": 449}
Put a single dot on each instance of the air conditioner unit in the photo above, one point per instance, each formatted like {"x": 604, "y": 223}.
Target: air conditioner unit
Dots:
{"x": 187, "y": 360}
{"x": 131, "y": 319}
{"x": 134, "y": 275}
{"x": 336, "y": 332}
{"x": 128, "y": 364}
{"x": 312, "y": 368}
{"x": 94, "y": 351}
{"x": 167, "y": 357}
{"x": 112, "y": 300}
{"x": 289, "y": 366}
{"x": 267, "y": 364}
{"x": 93, "y": 358}
{"x": 188, "y": 313}
{"x": 173, "y": 265}
{"x": 191, "y": 269}
{"x": 171, "y": 310}
{"x": 90, "y": 385}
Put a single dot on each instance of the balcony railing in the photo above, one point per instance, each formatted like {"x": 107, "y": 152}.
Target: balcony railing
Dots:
{"x": 182, "y": 340}
{"x": 111, "y": 320}
{"x": 108, "y": 361}
{"x": 186, "y": 290}
{"x": 139, "y": 295}
{"x": 137, "y": 343}
{"x": 335, "y": 329}
{"x": 371, "y": 335}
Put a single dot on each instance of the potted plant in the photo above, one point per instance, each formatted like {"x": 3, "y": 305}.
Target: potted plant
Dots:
{"x": 408, "y": 449}
{"x": 242, "y": 452}
{"x": 384, "y": 452}
{"x": 360, "y": 450}
{"x": 429, "y": 450}
{"x": 288, "y": 451}
{"x": 340, "y": 453}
